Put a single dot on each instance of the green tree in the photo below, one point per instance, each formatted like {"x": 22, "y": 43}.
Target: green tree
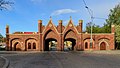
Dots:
{"x": 114, "y": 18}
{"x": 5, "y": 4}
{"x": 95, "y": 29}
{"x": 117, "y": 36}
{"x": 88, "y": 27}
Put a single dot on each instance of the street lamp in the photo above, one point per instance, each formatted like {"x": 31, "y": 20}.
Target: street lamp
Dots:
{"x": 91, "y": 34}
{"x": 91, "y": 15}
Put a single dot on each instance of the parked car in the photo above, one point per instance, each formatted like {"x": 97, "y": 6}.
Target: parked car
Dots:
{"x": 2, "y": 46}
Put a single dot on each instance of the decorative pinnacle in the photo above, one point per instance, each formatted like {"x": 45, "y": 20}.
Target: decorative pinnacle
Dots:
{"x": 70, "y": 17}
{"x": 7, "y": 26}
{"x": 50, "y": 18}
{"x": 60, "y": 21}
{"x": 80, "y": 21}
{"x": 39, "y": 21}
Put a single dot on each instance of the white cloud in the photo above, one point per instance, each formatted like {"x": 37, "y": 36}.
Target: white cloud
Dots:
{"x": 6, "y": 6}
{"x": 63, "y": 11}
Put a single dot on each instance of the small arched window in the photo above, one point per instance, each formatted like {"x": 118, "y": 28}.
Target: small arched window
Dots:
{"x": 86, "y": 45}
{"x": 29, "y": 45}
{"x": 34, "y": 45}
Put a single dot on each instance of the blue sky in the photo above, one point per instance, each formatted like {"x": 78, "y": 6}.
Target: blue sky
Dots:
{"x": 24, "y": 14}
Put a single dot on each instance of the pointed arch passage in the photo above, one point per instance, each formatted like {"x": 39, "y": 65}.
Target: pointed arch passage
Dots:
{"x": 17, "y": 46}
{"x": 103, "y": 46}
{"x": 69, "y": 44}
{"x": 50, "y": 34}
{"x": 50, "y": 40}
{"x": 70, "y": 34}
{"x": 50, "y": 44}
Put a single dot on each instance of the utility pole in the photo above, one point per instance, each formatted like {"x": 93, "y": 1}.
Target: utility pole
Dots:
{"x": 91, "y": 17}
{"x": 91, "y": 42}
{"x": 91, "y": 22}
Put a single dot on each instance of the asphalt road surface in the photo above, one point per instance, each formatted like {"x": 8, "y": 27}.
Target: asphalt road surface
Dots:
{"x": 63, "y": 60}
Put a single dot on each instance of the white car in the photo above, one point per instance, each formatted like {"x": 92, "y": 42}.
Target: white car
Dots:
{"x": 2, "y": 46}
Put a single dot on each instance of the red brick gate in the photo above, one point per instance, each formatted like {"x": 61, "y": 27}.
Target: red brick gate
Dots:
{"x": 39, "y": 41}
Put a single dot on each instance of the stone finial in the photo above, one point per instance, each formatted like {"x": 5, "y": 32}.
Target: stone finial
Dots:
{"x": 112, "y": 28}
{"x": 60, "y": 21}
{"x": 70, "y": 17}
{"x": 7, "y": 26}
{"x": 50, "y": 18}
{"x": 39, "y": 21}
{"x": 7, "y": 29}
{"x": 80, "y": 21}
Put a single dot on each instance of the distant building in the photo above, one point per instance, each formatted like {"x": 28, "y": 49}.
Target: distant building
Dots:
{"x": 39, "y": 41}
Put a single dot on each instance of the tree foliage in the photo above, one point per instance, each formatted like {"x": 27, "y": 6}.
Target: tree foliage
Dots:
{"x": 5, "y": 4}
{"x": 114, "y": 18}
{"x": 95, "y": 28}
{"x": 117, "y": 34}
{"x": 98, "y": 29}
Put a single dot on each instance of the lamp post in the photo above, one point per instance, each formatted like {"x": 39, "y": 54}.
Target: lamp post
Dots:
{"x": 91, "y": 34}
{"x": 91, "y": 17}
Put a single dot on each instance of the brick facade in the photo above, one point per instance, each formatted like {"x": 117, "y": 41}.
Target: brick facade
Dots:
{"x": 39, "y": 41}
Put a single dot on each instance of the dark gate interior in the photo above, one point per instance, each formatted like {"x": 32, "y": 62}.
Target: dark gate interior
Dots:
{"x": 50, "y": 45}
{"x": 72, "y": 43}
{"x": 17, "y": 47}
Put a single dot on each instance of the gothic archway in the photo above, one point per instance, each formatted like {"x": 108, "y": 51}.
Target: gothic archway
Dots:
{"x": 103, "y": 46}
{"x": 50, "y": 40}
{"x": 70, "y": 40}
{"x": 17, "y": 46}
{"x": 50, "y": 44}
{"x": 31, "y": 44}
{"x": 69, "y": 44}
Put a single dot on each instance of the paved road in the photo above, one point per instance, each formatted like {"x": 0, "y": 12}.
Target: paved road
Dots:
{"x": 2, "y": 62}
{"x": 63, "y": 60}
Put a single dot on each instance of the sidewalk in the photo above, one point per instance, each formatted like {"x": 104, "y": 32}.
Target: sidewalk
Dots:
{"x": 89, "y": 51}
{"x": 104, "y": 52}
{"x": 2, "y": 62}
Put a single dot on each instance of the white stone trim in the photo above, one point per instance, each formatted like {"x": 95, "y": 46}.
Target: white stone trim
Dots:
{"x": 15, "y": 43}
{"x": 69, "y": 26}
{"x": 107, "y": 45}
{"x": 50, "y": 25}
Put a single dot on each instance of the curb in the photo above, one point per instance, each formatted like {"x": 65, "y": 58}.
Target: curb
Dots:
{"x": 6, "y": 62}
